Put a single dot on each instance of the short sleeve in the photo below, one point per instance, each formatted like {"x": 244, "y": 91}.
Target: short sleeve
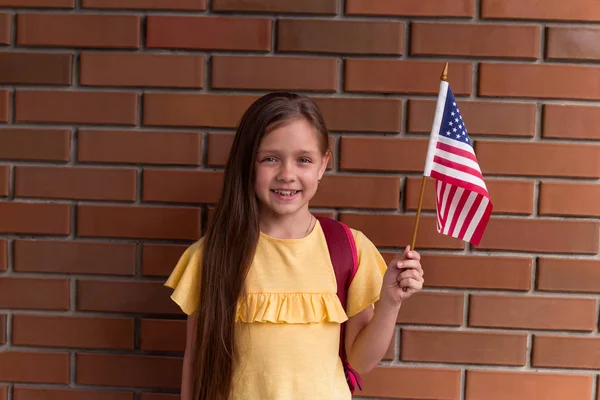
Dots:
{"x": 185, "y": 279}
{"x": 366, "y": 285}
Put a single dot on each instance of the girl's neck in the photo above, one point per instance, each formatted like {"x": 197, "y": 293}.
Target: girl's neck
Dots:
{"x": 294, "y": 226}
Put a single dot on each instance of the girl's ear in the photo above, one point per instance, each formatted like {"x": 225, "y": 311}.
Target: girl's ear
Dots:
{"x": 324, "y": 164}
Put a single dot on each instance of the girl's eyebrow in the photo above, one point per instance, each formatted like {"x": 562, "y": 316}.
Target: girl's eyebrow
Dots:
{"x": 279, "y": 150}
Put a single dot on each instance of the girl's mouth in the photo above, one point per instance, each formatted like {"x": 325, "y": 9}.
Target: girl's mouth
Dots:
{"x": 285, "y": 194}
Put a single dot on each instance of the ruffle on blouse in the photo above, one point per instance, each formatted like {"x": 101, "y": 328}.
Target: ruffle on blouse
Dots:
{"x": 290, "y": 308}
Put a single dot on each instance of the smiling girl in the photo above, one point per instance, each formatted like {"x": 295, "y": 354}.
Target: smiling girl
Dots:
{"x": 259, "y": 288}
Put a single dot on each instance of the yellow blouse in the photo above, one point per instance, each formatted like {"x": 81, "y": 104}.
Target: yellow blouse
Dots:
{"x": 287, "y": 330}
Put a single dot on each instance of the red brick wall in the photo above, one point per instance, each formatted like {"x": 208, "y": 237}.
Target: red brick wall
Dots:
{"x": 117, "y": 118}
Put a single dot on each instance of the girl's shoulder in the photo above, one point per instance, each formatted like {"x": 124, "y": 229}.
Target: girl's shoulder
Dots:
{"x": 185, "y": 278}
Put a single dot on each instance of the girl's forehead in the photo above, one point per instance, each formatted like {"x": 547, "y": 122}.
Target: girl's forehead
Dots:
{"x": 299, "y": 132}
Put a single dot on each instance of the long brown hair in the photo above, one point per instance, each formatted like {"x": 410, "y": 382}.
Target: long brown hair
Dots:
{"x": 231, "y": 238}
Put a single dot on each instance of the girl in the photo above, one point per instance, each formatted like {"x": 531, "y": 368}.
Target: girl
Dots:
{"x": 259, "y": 289}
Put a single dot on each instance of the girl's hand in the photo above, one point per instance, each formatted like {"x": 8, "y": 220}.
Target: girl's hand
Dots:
{"x": 403, "y": 278}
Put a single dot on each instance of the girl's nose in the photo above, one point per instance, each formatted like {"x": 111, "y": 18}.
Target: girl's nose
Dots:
{"x": 286, "y": 174}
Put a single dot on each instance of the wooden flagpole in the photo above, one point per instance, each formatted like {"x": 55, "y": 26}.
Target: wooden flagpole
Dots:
{"x": 444, "y": 77}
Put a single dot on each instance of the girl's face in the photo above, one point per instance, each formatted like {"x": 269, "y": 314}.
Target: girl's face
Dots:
{"x": 289, "y": 165}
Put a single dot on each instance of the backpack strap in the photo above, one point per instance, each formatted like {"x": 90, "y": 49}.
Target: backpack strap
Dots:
{"x": 344, "y": 258}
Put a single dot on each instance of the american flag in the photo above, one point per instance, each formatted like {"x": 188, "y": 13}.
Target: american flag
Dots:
{"x": 463, "y": 203}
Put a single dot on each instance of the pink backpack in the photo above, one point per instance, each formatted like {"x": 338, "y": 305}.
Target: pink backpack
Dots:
{"x": 344, "y": 257}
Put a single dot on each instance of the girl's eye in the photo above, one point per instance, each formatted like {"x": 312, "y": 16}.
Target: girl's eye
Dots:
{"x": 305, "y": 160}
{"x": 269, "y": 159}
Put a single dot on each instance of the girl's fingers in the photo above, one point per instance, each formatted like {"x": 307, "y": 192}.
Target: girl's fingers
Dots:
{"x": 410, "y": 283}
{"x": 410, "y": 273}
{"x": 411, "y": 265}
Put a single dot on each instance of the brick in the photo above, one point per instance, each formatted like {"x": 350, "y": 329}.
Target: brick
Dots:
{"x": 542, "y": 235}
{"x": 37, "y": 393}
{"x": 73, "y": 332}
{"x": 125, "y": 297}
{"x": 383, "y": 154}
{"x": 160, "y": 259}
{"x": 570, "y": 122}
{"x": 192, "y": 109}
{"x": 3, "y": 255}
{"x": 556, "y": 198}
{"x": 443, "y": 8}
{"x": 128, "y": 370}
{"x": 508, "y": 196}
{"x": 565, "y": 352}
{"x": 532, "y": 312}
{"x": 396, "y": 230}
{"x": 3, "y": 327}
{"x": 163, "y": 335}
{"x": 482, "y": 117}
{"x": 202, "y": 32}
{"x": 568, "y": 275}
{"x": 36, "y": 68}
{"x": 182, "y": 186}
{"x": 219, "y": 146}
{"x": 33, "y": 293}
{"x": 4, "y": 105}
{"x": 35, "y": 218}
{"x": 414, "y": 383}
{"x": 16, "y": 366}
{"x": 5, "y": 31}
{"x": 573, "y": 43}
{"x": 539, "y": 159}
{"x": 328, "y": 7}
{"x": 339, "y": 36}
{"x": 358, "y": 191}
{"x": 74, "y": 257}
{"x": 4, "y": 180}
{"x": 283, "y": 73}
{"x": 38, "y": 3}
{"x": 79, "y": 30}
{"x": 138, "y": 222}
{"x": 158, "y": 396}
{"x": 531, "y": 81}
{"x": 389, "y": 76}
{"x": 35, "y": 144}
{"x": 477, "y": 272}
{"x": 139, "y": 147}
{"x": 577, "y": 10}
{"x": 361, "y": 114}
{"x": 140, "y": 69}
{"x": 463, "y": 347}
{"x": 429, "y": 308}
{"x": 475, "y": 40}
{"x": 188, "y": 5}
{"x": 83, "y": 107}
{"x": 501, "y": 385}
{"x": 74, "y": 183}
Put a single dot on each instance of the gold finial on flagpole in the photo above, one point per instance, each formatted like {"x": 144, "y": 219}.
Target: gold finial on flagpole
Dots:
{"x": 444, "y": 77}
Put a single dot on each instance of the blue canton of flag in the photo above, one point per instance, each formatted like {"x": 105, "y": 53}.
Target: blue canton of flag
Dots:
{"x": 453, "y": 126}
